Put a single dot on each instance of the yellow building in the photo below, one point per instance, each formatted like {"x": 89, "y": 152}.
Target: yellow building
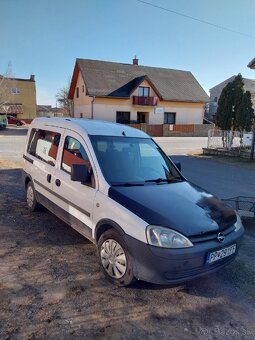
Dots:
{"x": 136, "y": 94}
{"x": 18, "y": 97}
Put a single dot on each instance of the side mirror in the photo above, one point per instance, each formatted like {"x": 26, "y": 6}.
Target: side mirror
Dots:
{"x": 178, "y": 166}
{"x": 80, "y": 173}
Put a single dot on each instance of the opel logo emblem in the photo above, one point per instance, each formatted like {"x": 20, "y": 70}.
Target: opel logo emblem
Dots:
{"x": 221, "y": 237}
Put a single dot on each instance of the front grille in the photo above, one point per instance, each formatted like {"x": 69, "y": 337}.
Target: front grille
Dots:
{"x": 211, "y": 235}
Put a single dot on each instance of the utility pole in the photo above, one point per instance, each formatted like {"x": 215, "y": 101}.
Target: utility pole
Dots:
{"x": 253, "y": 141}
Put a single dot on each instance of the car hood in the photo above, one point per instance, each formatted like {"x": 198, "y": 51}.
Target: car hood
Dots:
{"x": 181, "y": 206}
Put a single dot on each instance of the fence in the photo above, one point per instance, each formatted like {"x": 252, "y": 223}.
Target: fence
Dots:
{"x": 174, "y": 130}
{"x": 228, "y": 140}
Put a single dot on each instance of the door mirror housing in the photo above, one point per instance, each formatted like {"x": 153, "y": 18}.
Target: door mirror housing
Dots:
{"x": 80, "y": 173}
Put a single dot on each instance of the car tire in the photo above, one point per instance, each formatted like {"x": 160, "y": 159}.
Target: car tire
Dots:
{"x": 18, "y": 123}
{"x": 115, "y": 259}
{"x": 32, "y": 204}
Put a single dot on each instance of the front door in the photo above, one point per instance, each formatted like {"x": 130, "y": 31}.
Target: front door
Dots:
{"x": 76, "y": 200}
{"x": 142, "y": 117}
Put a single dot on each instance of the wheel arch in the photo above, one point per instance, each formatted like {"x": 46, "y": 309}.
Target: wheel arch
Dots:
{"x": 104, "y": 225}
{"x": 26, "y": 179}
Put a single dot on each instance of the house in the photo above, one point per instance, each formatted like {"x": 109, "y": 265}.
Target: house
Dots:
{"x": 249, "y": 85}
{"x": 252, "y": 64}
{"x": 49, "y": 111}
{"x": 215, "y": 92}
{"x": 132, "y": 93}
{"x": 18, "y": 97}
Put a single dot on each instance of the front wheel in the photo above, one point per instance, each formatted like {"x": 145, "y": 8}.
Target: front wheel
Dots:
{"x": 31, "y": 200}
{"x": 114, "y": 258}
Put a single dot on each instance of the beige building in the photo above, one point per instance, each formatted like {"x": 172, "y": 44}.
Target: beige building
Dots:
{"x": 18, "y": 97}
{"x": 130, "y": 93}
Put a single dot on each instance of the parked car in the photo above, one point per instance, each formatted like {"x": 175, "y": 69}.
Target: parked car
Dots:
{"x": 14, "y": 120}
{"x": 114, "y": 185}
{"x": 3, "y": 121}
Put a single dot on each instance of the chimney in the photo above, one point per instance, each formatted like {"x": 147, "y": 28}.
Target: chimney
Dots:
{"x": 32, "y": 77}
{"x": 135, "y": 61}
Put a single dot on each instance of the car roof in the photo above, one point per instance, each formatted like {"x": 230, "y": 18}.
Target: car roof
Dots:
{"x": 90, "y": 126}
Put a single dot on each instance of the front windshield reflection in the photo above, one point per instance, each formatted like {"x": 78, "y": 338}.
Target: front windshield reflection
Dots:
{"x": 126, "y": 160}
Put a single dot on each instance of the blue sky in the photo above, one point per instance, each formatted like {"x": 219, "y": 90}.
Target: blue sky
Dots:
{"x": 44, "y": 37}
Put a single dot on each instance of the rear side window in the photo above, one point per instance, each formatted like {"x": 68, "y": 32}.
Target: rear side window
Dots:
{"x": 73, "y": 153}
{"x": 43, "y": 145}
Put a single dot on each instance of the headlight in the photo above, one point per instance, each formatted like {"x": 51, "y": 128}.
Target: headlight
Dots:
{"x": 238, "y": 225}
{"x": 166, "y": 238}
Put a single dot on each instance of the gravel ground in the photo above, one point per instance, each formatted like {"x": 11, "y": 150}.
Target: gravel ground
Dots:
{"x": 51, "y": 286}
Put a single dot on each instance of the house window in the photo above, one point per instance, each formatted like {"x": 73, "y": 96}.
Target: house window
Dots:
{"x": 83, "y": 88}
{"x": 143, "y": 91}
{"x": 77, "y": 92}
{"x": 122, "y": 117}
{"x": 169, "y": 117}
{"x": 15, "y": 90}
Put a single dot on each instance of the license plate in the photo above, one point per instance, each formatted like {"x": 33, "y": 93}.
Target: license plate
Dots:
{"x": 220, "y": 254}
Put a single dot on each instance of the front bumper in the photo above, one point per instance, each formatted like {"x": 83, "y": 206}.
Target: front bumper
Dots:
{"x": 173, "y": 266}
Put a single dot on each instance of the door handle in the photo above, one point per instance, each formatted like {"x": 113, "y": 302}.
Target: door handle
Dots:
{"x": 58, "y": 182}
{"x": 49, "y": 178}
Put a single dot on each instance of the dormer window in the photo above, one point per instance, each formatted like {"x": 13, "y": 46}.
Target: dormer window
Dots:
{"x": 143, "y": 91}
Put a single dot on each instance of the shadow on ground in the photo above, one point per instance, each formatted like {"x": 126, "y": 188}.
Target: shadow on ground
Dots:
{"x": 14, "y": 131}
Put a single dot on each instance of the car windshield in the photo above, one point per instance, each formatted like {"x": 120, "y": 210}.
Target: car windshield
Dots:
{"x": 133, "y": 161}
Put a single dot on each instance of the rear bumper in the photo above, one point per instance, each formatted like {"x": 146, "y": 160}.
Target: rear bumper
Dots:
{"x": 174, "y": 266}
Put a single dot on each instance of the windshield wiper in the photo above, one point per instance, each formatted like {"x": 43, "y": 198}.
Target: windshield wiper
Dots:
{"x": 128, "y": 184}
{"x": 160, "y": 180}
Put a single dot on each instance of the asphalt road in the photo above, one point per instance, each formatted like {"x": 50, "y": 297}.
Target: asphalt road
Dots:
{"x": 222, "y": 179}
{"x": 12, "y": 143}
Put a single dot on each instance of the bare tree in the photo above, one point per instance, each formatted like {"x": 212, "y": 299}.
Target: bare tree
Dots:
{"x": 5, "y": 89}
{"x": 62, "y": 99}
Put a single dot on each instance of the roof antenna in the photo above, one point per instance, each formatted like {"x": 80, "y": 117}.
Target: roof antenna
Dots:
{"x": 123, "y": 133}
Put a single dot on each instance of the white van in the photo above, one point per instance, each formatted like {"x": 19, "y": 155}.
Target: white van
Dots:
{"x": 114, "y": 185}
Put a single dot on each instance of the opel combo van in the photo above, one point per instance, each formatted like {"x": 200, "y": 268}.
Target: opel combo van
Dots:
{"x": 114, "y": 185}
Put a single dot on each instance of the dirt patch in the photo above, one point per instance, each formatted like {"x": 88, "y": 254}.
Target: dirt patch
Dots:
{"x": 7, "y": 164}
{"x": 51, "y": 286}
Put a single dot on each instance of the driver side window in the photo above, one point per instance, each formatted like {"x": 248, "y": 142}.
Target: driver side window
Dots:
{"x": 73, "y": 153}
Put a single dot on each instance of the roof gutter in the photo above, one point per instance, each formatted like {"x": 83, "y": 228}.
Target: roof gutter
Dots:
{"x": 92, "y": 107}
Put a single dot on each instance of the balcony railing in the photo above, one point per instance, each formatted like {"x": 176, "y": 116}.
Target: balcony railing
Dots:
{"x": 145, "y": 101}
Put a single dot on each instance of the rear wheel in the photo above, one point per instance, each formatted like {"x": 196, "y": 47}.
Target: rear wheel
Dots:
{"x": 115, "y": 259}
{"x": 32, "y": 204}
{"x": 18, "y": 124}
